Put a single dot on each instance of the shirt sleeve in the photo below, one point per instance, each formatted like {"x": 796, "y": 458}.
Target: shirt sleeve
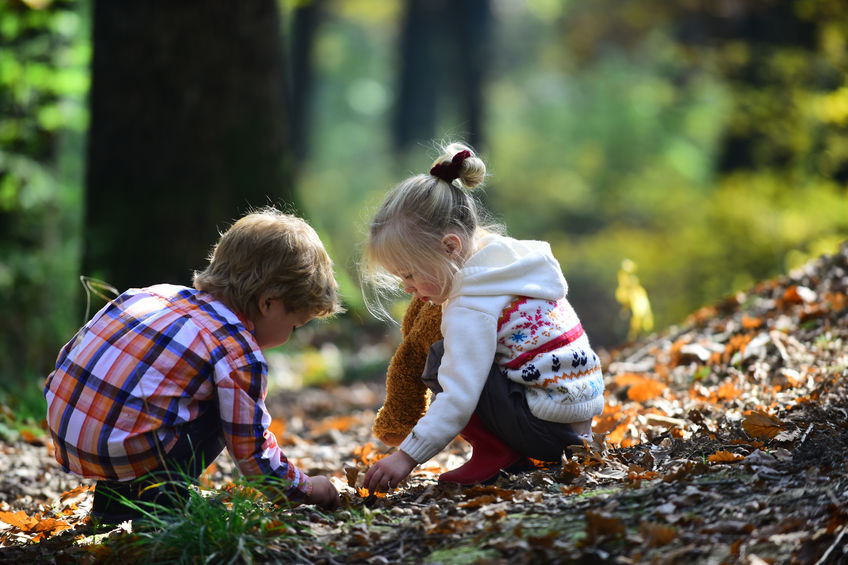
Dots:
{"x": 245, "y": 421}
{"x": 470, "y": 338}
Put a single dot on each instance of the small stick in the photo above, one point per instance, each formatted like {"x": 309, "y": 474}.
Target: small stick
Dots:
{"x": 834, "y": 545}
{"x": 803, "y": 439}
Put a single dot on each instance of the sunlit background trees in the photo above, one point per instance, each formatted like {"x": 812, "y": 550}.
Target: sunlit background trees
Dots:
{"x": 705, "y": 142}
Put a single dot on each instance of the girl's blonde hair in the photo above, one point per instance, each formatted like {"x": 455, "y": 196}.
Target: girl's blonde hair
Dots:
{"x": 406, "y": 232}
{"x": 267, "y": 250}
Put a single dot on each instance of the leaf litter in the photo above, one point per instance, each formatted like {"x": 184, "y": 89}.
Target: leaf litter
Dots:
{"x": 723, "y": 441}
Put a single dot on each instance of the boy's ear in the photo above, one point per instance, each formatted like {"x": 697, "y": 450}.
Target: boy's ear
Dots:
{"x": 266, "y": 299}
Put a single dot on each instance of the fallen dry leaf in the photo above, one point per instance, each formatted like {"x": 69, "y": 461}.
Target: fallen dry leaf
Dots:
{"x": 351, "y": 474}
{"x": 19, "y": 520}
{"x": 761, "y": 425}
{"x": 640, "y": 387}
{"x": 479, "y": 501}
{"x": 656, "y": 534}
{"x": 603, "y": 525}
{"x": 724, "y": 457}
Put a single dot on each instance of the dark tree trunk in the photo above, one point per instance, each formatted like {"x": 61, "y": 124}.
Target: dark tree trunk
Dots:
{"x": 306, "y": 21}
{"x": 764, "y": 28}
{"x": 444, "y": 56}
{"x": 420, "y": 77}
{"x": 473, "y": 19}
{"x": 188, "y": 130}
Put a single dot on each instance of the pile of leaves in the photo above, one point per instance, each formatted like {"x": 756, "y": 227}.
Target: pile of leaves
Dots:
{"x": 723, "y": 441}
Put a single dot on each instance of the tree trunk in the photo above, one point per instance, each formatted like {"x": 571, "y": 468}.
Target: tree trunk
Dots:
{"x": 473, "y": 21}
{"x": 188, "y": 130}
{"x": 306, "y": 21}
{"x": 420, "y": 78}
{"x": 444, "y": 55}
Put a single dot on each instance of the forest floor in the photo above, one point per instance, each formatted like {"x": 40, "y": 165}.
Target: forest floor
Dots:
{"x": 723, "y": 441}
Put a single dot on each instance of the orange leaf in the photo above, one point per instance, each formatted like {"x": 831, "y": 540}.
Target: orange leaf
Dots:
{"x": 734, "y": 547}
{"x": 607, "y": 421}
{"x": 674, "y": 351}
{"x": 761, "y": 425}
{"x": 571, "y": 469}
{"x": 49, "y": 525}
{"x": 340, "y": 423}
{"x": 728, "y": 391}
{"x": 502, "y": 493}
{"x": 367, "y": 454}
{"x": 243, "y": 491}
{"x": 657, "y": 534}
{"x": 205, "y": 479}
{"x": 629, "y": 442}
{"x": 750, "y": 323}
{"x": 479, "y": 501}
{"x": 74, "y": 492}
{"x": 794, "y": 295}
{"x": 706, "y": 313}
{"x": 641, "y": 388}
{"x": 619, "y": 434}
{"x": 601, "y": 525}
{"x": 365, "y": 493}
{"x": 276, "y": 527}
{"x": 19, "y": 520}
{"x": 724, "y": 457}
{"x": 627, "y": 379}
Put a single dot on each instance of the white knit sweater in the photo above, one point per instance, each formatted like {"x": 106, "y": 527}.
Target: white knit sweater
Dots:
{"x": 508, "y": 304}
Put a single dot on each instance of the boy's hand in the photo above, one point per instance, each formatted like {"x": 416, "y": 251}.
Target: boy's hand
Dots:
{"x": 387, "y": 473}
{"x": 324, "y": 494}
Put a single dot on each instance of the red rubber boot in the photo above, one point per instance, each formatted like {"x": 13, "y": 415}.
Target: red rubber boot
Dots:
{"x": 488, "y": 457}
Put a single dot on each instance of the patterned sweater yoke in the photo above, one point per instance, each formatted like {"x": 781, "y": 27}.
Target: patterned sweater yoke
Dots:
{"x": 542, "y": 346}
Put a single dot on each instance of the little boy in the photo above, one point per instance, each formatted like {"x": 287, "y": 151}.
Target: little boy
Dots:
{"x": 152, "y": 389}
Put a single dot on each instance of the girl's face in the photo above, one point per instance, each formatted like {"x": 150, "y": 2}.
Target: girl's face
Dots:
{"x": 424, "y": 281}
{"x": 423, "y": 285}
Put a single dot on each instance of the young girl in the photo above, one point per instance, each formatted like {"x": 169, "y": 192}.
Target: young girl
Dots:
{"x": 514, "y": 374}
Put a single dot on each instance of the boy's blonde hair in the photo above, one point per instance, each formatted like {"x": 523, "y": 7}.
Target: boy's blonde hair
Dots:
{"x": 267, "y": 250}
{"x": 407, "y": 231}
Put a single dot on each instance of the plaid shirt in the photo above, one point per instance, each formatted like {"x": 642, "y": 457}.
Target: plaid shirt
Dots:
{"x": 150, "y": 361}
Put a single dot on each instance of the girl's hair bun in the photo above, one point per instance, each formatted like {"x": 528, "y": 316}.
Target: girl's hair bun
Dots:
{"x": 458, "y": 161}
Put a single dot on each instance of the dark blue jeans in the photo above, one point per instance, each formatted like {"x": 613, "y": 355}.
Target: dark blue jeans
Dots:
{"x": 199, "y": 444}
{"x": 503, "y": 409}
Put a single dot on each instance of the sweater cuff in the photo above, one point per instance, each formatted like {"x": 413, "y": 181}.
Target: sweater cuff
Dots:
{"x": 418, "y": 448}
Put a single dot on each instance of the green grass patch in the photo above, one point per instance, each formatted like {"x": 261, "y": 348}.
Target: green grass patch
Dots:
{"x": 230, "y": 526}
{"x": 464, "y": 555}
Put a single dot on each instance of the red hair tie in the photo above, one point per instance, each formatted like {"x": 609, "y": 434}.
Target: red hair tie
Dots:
{"x": 450, "y": 171}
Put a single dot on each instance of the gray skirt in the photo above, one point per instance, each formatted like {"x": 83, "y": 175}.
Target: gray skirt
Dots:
{"x": 503, "y": 409}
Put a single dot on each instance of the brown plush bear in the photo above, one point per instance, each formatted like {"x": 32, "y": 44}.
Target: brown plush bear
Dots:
{"x": 406, "y": 395}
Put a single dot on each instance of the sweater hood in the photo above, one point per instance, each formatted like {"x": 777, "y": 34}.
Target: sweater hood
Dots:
{"x": 507, "y": 266}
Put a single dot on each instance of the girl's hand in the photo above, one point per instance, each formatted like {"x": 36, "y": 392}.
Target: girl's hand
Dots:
{"x": 388, "y": 472}
{"x": 323, "y": 494}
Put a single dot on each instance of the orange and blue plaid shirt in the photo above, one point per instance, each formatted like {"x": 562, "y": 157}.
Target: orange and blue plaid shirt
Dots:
{"x": 149, "y": 362}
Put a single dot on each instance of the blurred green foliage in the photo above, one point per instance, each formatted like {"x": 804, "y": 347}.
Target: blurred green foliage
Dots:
{"x": 711, "y": 151}
{"x": 672, "y": 134}
{"x": 43, "y": 84}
